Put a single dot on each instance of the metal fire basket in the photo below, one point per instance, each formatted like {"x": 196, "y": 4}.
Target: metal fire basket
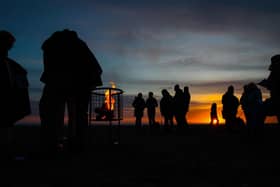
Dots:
{"x": 106, "y": 104}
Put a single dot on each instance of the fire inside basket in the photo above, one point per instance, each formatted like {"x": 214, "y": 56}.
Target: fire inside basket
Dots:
{"x": 106, "y": 104}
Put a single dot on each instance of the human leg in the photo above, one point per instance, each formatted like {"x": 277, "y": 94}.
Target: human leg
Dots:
{"x": 51, "y": 108}
{"x": 77, "y": 105}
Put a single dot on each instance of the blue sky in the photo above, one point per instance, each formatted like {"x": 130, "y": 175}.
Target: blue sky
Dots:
{"x": 149, "y": 45}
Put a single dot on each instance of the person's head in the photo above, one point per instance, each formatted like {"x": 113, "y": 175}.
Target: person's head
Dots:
{"x": 60, "y": 38}
{"x": 164, "y": 92}
{"x": 186, "y": 89}
{"x": 151, "y": 94}
{"x": 231, "y": 89}
{"x": 176, "y": 87}
{"x": 275, "y": 63}
{"x": 7, "y": 41}
{"x": 245, "y": 88}
{"x": 70, "y": 33}
{"x": 140, "y": 95}
{"x": 252, "y": 86}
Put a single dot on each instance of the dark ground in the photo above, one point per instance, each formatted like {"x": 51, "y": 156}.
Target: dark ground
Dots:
{"x": 200, "y": 156}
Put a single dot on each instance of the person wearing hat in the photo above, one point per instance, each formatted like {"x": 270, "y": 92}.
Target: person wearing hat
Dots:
{"x": 14, "y": 97}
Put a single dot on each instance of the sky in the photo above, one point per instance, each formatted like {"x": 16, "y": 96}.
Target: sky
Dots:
{"x": 150, "y": 45}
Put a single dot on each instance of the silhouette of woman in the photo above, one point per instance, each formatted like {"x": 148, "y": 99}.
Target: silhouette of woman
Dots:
{"x": 71, "y": 71}
{"x": 14, "y": 97}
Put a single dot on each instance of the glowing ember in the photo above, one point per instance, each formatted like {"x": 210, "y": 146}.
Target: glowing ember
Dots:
{"x": 215, "y": 122}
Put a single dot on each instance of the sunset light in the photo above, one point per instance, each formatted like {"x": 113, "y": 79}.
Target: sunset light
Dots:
{"x": 143, "y": 47}
{"x": 140, "y": 93}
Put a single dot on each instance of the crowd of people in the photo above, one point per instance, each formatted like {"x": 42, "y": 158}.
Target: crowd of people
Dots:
{"x": 251, "y": 101}
{"x": 71, "y": 71}
{"x": 177, "y": 106}
{"x": 171, "y": 107}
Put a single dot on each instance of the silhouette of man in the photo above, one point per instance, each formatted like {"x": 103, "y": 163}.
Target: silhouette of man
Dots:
{"x": 187, "y": 101}
{"x": 179, "y": 106}
{"x": 230, "y": 106}
{"x": 272, "y": 83}
{"x": 139, "y": 106}
{"x": 71, "y": 71}
{"x": 14, "y": 97}
{"x": 151, "y": 104}
{"x": 166, "y": 108}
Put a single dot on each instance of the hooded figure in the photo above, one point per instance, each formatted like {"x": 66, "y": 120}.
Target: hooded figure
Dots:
{"x": 71, "y": 71}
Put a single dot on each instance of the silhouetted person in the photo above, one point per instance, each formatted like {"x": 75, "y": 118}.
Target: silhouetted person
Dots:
{"x": 14, "y": 91}
{"x": 230, "y": 106}
{"x": 151, "y": 104}
{"x": 213, "y": 115}
{"x": 251, "y": 103}
{"x": 166, "y": 108}
{"x": 71, "y": 71}
{"x": 179, "y": 106}
{"x": 272, "y": 83}
{"x": 139, "y": 106}
{"x": 187, "y": 101}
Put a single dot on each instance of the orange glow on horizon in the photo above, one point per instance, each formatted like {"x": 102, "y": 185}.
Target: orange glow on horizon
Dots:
{"x": 199, "y": 112}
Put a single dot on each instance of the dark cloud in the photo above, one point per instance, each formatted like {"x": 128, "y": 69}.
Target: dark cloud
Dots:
{"x": 254, "y": 62}
{"x": 198, "y": 84}
{"x": 147, "y": 31}
{"x": 250, "y": 20}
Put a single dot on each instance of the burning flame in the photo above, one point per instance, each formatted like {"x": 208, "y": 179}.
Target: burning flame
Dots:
{"x": 109, "y": 100}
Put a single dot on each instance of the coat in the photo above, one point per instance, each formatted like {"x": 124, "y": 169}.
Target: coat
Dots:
{"x": 69, "y": 63}
{"x": 14, "y": 95}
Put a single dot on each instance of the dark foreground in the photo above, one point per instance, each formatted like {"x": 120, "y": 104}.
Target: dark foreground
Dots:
{"x": 199, "y": 156}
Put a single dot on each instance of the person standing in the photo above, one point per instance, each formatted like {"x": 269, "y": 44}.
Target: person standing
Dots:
{"x": 151, "y": 104}
{"x": 213, "y": 115}
{"x": 252, "y": 105}
{"x": 272, "y": 83}
{"x": 166, "y": 108}
{"x": 70, "y": 72}
{"x": 187, "y": 101}
{"x": 179, "y": 106}
{"x": 139, "y": 106}
{"x": 14, "y": 95}
{"x": 230, "y": 106}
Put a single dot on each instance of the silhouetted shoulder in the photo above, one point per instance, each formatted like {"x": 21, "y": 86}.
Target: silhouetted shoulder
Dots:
{"x": 17, "y": 67}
